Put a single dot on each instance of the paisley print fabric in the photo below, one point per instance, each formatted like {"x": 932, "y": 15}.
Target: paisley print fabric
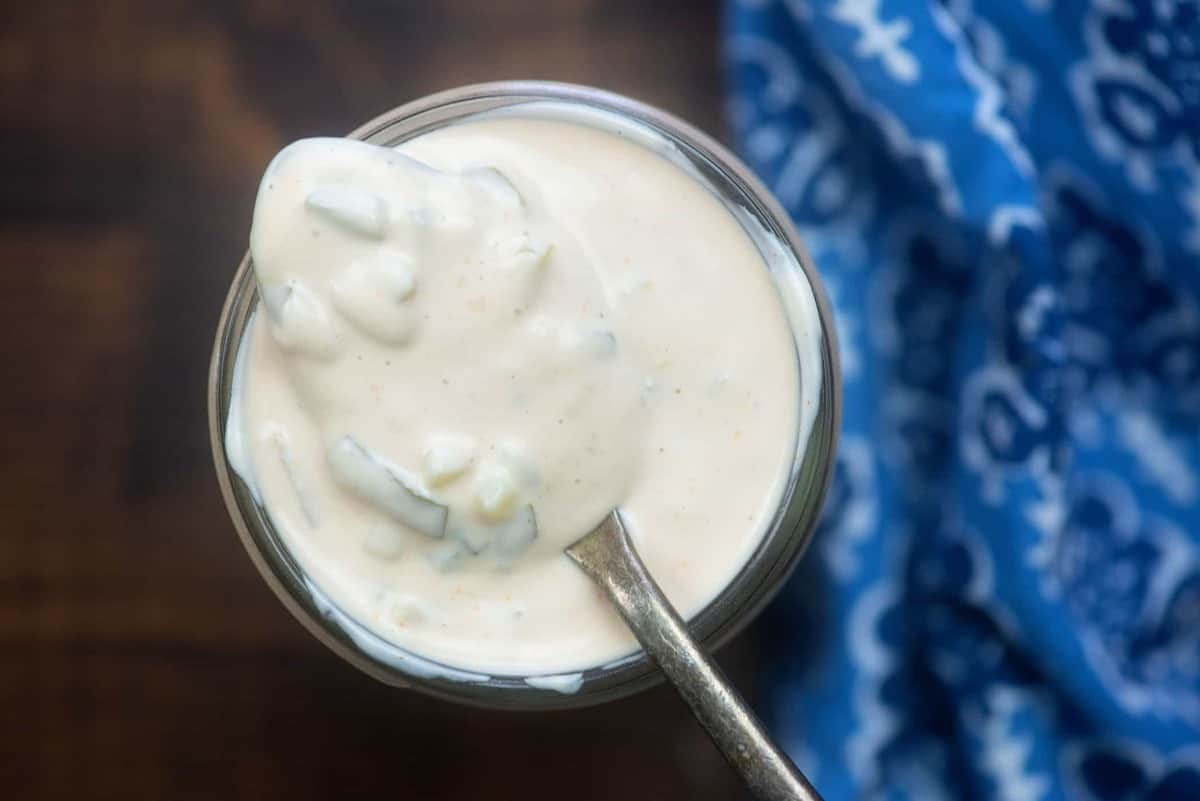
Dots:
{"x": 1004, "y": 201}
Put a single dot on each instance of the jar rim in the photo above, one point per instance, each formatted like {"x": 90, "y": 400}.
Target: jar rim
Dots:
{"x": 738, "y": 602}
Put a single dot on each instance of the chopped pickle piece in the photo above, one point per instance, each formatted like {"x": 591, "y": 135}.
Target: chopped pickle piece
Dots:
{"x": 399, "y": 161}
{"x": 474, "y": 536}
{"x": 279, "y": 436}
{"x": 354, "y": 210}
{"x": 507, "y": 539}
{"x": 274, "y": 297}
{"x": 372, "y": 295}
{"x": 362, "y": 474}
{"x": 516, "y": 534}
{"x": 300, "y": 319}
{"x": 447, "y": 556}
{"x": 497, "y": 185}
{"x": 602, "y": 344}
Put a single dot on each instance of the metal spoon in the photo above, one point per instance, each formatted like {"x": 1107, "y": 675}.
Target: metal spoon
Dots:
{"x": 607, "y": 556}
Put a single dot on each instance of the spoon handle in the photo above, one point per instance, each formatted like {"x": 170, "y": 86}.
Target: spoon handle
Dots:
{"x": 608, "y": 557}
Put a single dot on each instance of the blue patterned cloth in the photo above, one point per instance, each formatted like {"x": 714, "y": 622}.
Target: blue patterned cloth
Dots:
{"x": 1004, "y": 201}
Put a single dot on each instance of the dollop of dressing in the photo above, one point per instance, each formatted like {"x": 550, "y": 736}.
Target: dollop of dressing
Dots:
{"x": 468, "y": 349}
{"x": 430, "y": 324}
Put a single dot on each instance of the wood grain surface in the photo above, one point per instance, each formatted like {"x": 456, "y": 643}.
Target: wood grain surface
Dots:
{"x": 141, "y": 657}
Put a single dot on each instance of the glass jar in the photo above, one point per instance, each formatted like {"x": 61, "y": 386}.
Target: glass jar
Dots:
{"x": 794, "y": 520}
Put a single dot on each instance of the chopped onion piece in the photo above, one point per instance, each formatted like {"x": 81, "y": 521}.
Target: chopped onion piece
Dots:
{"x": 447, "y": 456}
{"x": 495, "y": 492}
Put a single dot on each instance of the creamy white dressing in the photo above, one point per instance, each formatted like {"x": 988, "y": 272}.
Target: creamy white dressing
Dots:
{"x": 470, "y": 348}
{"x": 565, "y": 683}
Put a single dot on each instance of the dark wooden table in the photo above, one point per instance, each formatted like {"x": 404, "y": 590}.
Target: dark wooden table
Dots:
{"x": 140, "y": 655}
